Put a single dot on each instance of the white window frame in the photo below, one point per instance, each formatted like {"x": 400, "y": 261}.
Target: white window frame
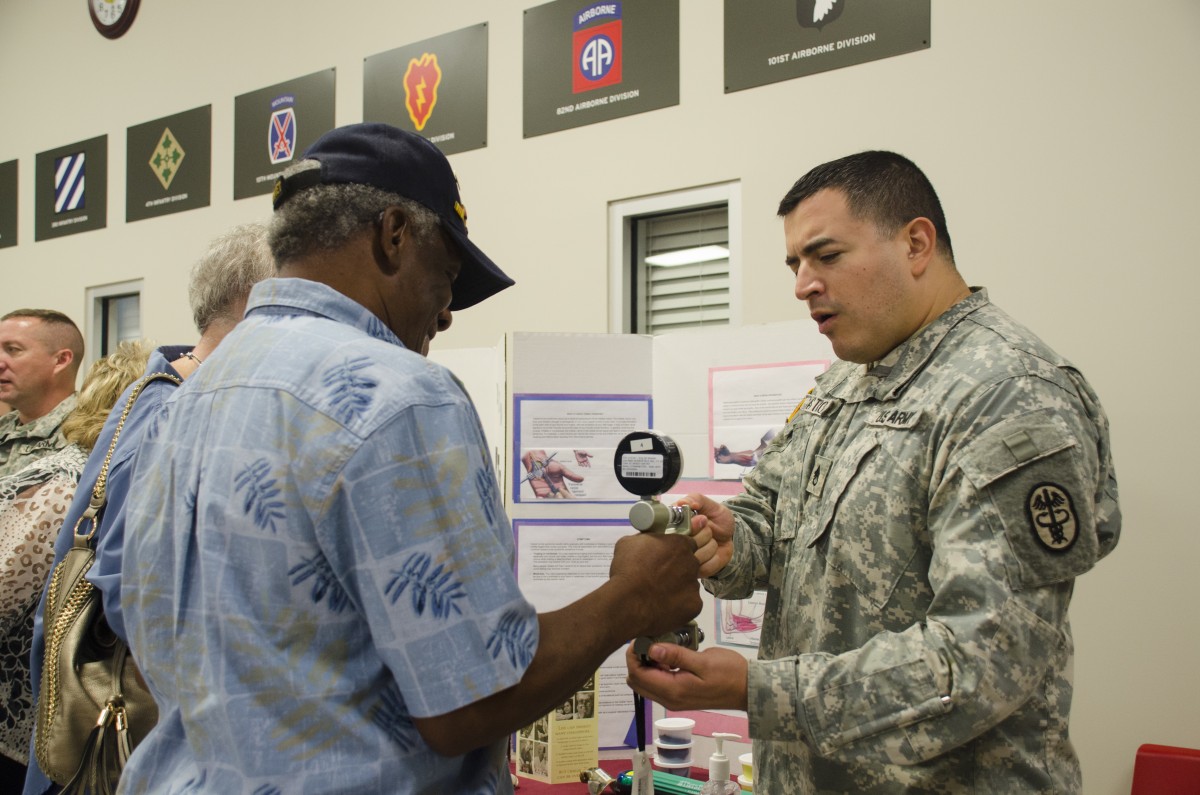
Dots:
{"x": 620, "y": 248}
{"x": 95, "y": 298}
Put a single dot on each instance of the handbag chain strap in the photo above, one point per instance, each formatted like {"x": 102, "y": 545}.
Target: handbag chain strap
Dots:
{"x": 96, "y": 504}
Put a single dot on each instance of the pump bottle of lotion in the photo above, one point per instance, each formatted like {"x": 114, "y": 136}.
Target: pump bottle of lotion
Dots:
{"x": 719, "y": 782}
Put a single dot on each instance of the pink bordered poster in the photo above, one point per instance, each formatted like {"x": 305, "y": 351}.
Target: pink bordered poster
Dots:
{"x": 748, "y": 406}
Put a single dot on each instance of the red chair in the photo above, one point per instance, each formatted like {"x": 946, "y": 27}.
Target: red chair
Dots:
{"x": 1166, "y": 770}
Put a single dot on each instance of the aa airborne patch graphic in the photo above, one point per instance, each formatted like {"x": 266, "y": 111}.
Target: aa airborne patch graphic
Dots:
{"x": 421, "y": 81}
{"x": 1052, "y": 516}
{"x": 166, "y": 158}
{"x": 596, "y": 47}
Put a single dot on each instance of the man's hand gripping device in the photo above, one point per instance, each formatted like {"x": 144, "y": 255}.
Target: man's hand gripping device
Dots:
{"x": 648, "y": 464}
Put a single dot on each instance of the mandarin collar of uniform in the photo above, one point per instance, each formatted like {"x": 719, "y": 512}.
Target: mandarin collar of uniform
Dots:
{"x": 883, "y": 380}
{"x": 43, "y": 427}
{"x": 291, "y": 295}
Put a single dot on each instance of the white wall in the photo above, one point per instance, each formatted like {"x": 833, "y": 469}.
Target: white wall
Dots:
{"x": 1059, "y": 134}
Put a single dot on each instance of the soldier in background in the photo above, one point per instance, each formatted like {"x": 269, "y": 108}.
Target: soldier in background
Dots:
{"x": 40, "y": 354}
{"x": 917, "y": 526}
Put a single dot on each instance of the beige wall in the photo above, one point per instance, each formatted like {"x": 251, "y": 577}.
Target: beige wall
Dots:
{"x": 1060, "y": 135}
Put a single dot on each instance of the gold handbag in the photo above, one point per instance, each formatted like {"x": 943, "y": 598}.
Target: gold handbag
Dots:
{"x": 93, "y": 706}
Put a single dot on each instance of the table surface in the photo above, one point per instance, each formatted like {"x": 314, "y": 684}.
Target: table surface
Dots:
{"x": 613, "y": 767}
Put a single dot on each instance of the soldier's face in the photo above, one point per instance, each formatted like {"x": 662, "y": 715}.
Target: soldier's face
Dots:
{"x": 857, "y": 282}
{"x": 27, "y": 362}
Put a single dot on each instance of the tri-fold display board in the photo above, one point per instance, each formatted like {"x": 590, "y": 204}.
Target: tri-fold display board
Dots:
{"x": 554, "y": 407}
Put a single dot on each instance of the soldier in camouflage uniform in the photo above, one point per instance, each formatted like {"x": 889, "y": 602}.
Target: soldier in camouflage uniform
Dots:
{"x": 40, "y": 354}
{"x": 917, "y": 526}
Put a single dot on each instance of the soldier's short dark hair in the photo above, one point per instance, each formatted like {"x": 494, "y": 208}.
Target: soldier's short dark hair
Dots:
{"x": 883, "y": 187}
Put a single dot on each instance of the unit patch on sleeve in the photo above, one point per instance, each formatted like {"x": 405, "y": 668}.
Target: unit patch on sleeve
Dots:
{"x": 1052, "y": 516}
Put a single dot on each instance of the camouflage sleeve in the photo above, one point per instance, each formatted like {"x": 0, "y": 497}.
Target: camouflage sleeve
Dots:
{"x": 754, "y": 522}
{"x": 1018, "y": 512}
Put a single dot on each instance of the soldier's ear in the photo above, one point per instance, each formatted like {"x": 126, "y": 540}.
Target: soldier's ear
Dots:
{"x": 920, "y": 240}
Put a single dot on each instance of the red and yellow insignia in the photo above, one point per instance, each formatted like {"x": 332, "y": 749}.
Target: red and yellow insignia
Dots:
{"x": 421, "y": 81}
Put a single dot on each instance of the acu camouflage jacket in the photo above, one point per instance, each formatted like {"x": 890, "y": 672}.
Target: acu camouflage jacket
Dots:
{"x": 917, "y": 528}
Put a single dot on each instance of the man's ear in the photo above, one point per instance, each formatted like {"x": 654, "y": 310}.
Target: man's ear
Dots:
{"x": 390, "y": 238}
{"x": 62, "y": 360}
{"x": 920, "y": 236}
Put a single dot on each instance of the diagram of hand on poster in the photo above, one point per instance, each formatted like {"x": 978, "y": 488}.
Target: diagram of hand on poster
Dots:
{"x": 547, "y": 476}
{"x": 583, "y": 458}
{"x": 744, "y": 458}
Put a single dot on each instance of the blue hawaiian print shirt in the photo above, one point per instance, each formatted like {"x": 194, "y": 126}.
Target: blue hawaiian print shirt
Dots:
{"x": 317, "y": 553}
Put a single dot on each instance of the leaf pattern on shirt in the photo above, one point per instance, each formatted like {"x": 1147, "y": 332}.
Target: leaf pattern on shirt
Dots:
{"x": 301, "y": 729}
{"x": 151, "y": 432}
{"x": 261, "y": 493}
{"x": 487, "y": 493}
{"x": 390, "y": 715}
{"x": 192, "y": 784}
{"x": 350, "y": 392}
{"x": 376, "y": 328}
{"x": 325, "y": 583}
{"x": 437, "y": 589}
{"x": 512, "y": 635}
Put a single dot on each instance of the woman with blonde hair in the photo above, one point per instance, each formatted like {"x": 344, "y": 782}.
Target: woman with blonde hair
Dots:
{"x": 33, "y": 503}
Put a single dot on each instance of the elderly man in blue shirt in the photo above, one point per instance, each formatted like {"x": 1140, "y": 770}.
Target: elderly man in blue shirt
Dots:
{"x": 318, "y": 567}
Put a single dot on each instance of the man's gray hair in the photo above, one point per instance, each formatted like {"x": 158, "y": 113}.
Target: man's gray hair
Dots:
{"x": 326, "y": 217}
{"x": 222, "y": 278}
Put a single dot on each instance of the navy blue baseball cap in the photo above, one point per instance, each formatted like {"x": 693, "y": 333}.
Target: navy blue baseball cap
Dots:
{"x": 404, "y": 163}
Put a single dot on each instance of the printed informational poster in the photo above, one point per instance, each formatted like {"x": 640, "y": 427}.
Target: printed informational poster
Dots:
{"x": 557, "y": 746}
{"x": 273, "y": 126}
{"x": 739, "y": 621}
{"x": 559, "y": 561}
{"x": 772, "y": 40}
{"x": 436, "y": 88}
{"x": 735, "y": 622}
{"x": 168, "y": 164}
{"x": 71, "y": 191}
{"x": 749, "y": 406}
{"x": 563, "y": 445}
{"x": 587, "y": 62}
{"x": 8, "y": 204}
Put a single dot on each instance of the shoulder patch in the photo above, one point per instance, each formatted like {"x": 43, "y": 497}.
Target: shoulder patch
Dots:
{"x": 1052, "y": 516}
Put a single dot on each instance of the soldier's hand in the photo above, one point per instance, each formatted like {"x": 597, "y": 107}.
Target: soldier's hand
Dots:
{"x": 682, "y": 679}
{"x": 712, "y": 529}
